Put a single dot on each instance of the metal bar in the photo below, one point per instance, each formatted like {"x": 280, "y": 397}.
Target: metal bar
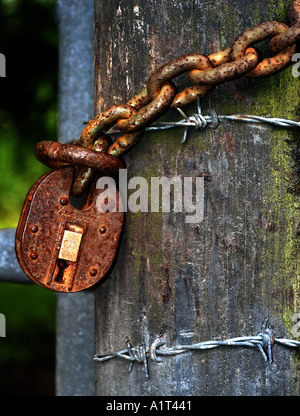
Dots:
{"x": 75, "y": 312}
{"x": 10, "y": 271}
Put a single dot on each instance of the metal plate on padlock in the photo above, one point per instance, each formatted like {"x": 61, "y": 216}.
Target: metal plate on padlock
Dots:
{"x": 63, "y": 248}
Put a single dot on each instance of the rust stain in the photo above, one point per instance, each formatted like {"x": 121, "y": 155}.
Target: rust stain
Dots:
{"x": 166, "y": 291}
{"x": 239, "y": 96}
{"x": 231, "y": 143}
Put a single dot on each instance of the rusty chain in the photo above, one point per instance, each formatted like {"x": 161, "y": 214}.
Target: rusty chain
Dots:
{"x": 204, "y": 72}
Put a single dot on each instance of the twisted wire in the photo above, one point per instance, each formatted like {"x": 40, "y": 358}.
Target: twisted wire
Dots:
{"x": 263, "y": 342}
{"x": 198, "y": 121}
{"x": 192, "y": 122}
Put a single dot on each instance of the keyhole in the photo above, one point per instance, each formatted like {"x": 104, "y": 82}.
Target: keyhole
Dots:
{"x": 62, "y": 265}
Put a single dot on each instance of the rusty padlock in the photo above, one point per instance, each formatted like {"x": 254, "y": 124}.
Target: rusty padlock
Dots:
{"x": 58, "y": 246}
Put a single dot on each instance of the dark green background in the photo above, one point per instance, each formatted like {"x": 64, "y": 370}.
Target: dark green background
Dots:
{"x": 28, "y": 114}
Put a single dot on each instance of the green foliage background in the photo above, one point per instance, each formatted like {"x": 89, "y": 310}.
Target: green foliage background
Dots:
{"x": 28, "y": 114}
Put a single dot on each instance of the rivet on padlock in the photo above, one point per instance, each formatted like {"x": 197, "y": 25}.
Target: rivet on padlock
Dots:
{"x": 60, "y": 247}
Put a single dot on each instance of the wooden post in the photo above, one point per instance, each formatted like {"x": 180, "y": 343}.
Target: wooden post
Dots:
{"x": 224, "y": 276}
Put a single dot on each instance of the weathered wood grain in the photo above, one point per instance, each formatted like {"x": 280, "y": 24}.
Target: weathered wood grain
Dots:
{"x": 224, "y": 276}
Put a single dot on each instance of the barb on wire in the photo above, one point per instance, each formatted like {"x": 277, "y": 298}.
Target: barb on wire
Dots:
{"x": 199, "y": 121}
{"x": 193, "y": 121}
{"x": 263, "y": 342}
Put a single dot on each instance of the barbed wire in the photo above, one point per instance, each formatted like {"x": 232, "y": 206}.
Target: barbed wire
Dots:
{"x": 202, "y": 122}
{"x": 263, "y": 342}
{"x": 213, "y": 119}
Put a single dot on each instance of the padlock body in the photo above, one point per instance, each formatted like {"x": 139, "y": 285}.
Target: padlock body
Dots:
{"x": 60, "y": 247}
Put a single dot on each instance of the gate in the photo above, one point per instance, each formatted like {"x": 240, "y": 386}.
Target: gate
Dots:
{"x": 221, "y": 278}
